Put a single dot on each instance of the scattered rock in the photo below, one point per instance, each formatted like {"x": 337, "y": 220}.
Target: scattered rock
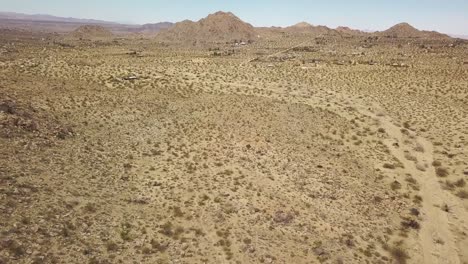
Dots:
{"x": 130, "y": 78}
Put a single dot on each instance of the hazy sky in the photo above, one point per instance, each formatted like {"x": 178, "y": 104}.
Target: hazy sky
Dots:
{"x": 448, "y": 16}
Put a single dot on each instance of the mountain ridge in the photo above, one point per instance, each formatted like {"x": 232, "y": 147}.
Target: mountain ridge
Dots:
{"x": 205, "y": 29}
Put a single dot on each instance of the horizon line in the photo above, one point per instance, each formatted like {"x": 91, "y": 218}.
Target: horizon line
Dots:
{"x": 131, "y": 23}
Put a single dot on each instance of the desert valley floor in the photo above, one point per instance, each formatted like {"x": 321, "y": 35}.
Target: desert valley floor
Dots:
{"x": 286, "y": 151}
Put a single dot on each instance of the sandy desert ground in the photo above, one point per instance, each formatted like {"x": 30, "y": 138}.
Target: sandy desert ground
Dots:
{"x": 279, "y": 151}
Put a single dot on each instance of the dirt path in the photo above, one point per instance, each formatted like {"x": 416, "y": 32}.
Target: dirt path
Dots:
{"x": 436, "y": 237}
{"x": 441, "y": 238}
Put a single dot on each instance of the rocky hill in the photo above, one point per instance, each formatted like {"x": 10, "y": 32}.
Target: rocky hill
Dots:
{"x": 217, "y": 27}
{"x": 405, "y": 30}
{"x": 349, "y": 31}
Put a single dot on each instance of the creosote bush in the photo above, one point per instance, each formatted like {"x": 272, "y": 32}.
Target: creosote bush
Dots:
{"x": 442, "y": 172}
{"x": 399, "y": 255}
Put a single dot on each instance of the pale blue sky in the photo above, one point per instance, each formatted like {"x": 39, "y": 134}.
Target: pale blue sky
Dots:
{"x": 448, "y": 16}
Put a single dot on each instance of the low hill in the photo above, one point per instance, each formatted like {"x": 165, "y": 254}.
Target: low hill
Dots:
{"x": 90, "y": 32}
{"x": 217, "y": 27}
{"x": 350, "y": 31}
{"x": 304, "y": 27}
{"x": 405, "y": 30}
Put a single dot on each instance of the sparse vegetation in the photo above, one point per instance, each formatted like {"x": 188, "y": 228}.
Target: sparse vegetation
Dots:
{"x": 410, "y": 223}
{"x": 395, "y": 185}
{"x": 442, "y": 172}
{"x": 462, "y": 194}
{"x": 399, "y": 255}
{"x": 460, "y": 183}
{"x": 128, "y": 148}
{"x": 111, "y": 246}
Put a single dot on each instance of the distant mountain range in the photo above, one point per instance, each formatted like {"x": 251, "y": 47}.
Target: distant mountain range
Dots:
{"x": 459, "y": 36}
{"x": 217, "y": 27}
{"x": 40, "y": 17}
{"x": 67, "y": 24}
{"x": 226, "y": 27}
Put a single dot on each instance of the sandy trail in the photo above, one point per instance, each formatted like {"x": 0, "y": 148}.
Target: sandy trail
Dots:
{"x": 440, "y": 239}
{"x": 437, "y": 239}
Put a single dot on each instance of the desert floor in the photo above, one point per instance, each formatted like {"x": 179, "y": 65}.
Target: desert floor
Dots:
{"x": 173, "y": 155}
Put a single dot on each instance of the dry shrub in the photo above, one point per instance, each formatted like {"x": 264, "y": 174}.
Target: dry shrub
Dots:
{"x": 462, "y": 194}
{"x": 460, "y": 183}
{"x": 442, "y": 172}
{"x": 399, "y": 255}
